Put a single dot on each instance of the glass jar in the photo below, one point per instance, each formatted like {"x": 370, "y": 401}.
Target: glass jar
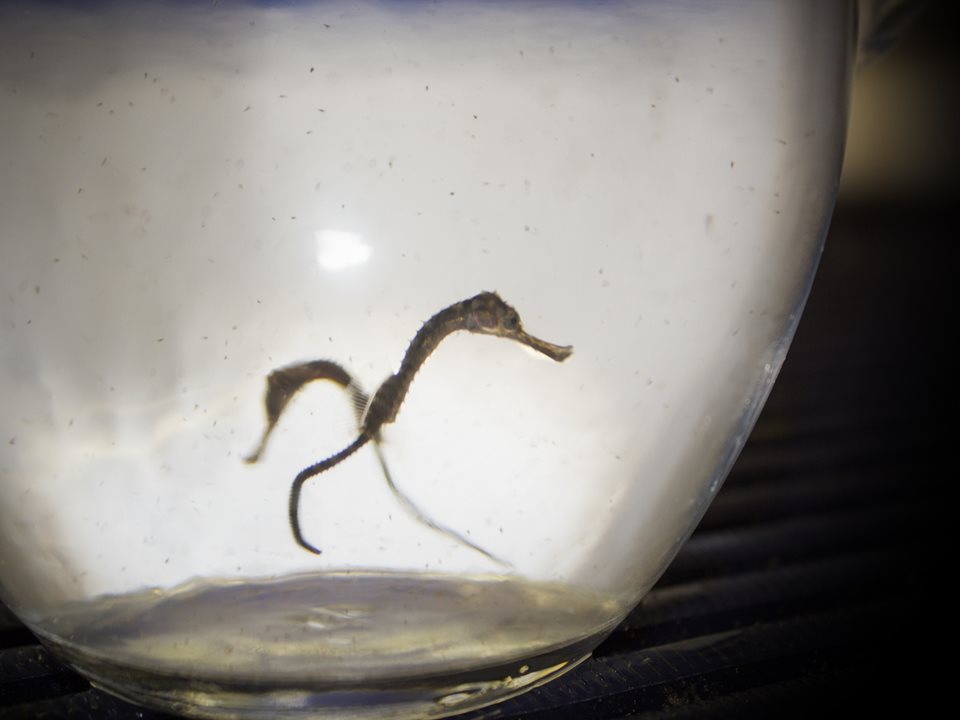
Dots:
{"x": 196, "y": 198}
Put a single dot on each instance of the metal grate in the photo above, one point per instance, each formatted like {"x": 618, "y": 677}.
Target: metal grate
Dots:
{"x": 806, "y": 586}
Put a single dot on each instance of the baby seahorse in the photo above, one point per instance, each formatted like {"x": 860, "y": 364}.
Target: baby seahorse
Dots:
{"x": 285, "y": 382}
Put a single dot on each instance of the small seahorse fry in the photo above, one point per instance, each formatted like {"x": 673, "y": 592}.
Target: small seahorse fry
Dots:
{"x": 285, "y": 382}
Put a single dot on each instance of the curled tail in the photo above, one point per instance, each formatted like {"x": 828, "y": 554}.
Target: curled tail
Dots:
{"x": 308, "y": 473}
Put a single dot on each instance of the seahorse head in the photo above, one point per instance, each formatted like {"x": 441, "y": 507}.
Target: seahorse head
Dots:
{"x": 489, "y": 314}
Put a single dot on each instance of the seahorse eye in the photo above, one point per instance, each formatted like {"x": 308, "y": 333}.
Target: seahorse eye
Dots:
{"x": 511, "y": 321}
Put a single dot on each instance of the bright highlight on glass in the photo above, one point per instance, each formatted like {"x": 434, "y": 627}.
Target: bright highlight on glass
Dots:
{"x": 340, "y": 249}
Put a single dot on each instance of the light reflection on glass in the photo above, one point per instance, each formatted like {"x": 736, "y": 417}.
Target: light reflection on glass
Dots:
{"x": 340, "y": 249}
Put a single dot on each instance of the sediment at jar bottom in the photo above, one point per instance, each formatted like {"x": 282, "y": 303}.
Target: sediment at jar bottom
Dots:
{"x": 341, "y": 643}
{"x": 338, "y": 628}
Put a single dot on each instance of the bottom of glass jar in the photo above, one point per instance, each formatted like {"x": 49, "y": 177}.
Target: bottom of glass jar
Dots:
{"x": 333, "y": 645}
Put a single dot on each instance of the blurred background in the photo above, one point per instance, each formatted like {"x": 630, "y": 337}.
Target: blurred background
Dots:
{"x": 903, "y": 139}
